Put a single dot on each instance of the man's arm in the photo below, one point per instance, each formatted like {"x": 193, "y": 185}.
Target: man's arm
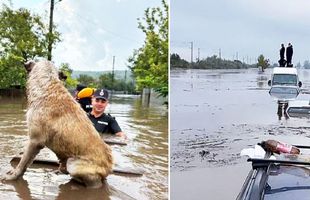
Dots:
{"x": 116, "y": 128}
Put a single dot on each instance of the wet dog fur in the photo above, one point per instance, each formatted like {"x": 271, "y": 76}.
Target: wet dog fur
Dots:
{"x": 55, "y": 120}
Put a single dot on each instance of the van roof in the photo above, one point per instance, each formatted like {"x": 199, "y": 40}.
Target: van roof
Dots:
{"x": 284, "y": 70}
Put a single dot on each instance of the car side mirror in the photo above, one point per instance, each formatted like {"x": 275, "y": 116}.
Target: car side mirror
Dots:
{"x": 269, "y": 82}
{"x": 299, "y": 83}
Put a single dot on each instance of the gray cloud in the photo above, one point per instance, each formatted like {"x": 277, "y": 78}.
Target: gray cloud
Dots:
{"x": 247, "y": 27}
{"x": 94, "y": 31}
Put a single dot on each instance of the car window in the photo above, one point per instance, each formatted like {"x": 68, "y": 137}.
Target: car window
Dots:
{"x": 284, "y": 79}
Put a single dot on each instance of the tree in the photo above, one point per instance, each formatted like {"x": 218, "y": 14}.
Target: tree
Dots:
{"x": 105, "y": 81}
{"x": 149, "y": 64}
{"x": 177, "y": 62}
{"x": 23, "y": 37}
{"x": 307, "y": 64}
{"x": 86, "y": 80}
{"x": 262, "y": 62}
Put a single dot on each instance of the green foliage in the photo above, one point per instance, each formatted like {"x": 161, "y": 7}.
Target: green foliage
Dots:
{"x": 23, "y": 37}
{"x": 149, "y": 64}
{"x": 12, "y": 73}
{"x": 212, "y": 62}
{"x": 87, "y": 80}
{"x": 262, "y": 62}
{"x": 105, "y": 81}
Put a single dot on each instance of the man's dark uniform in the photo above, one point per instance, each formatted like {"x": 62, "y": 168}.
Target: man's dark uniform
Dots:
{"x": 282, "y": 60}
{"x": 282, "y": 51}
{"x": 105, "y": 123}
{"x": 289, "y": 55}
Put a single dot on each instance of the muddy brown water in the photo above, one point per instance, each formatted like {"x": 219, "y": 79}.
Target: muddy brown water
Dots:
{"x": 146, "y": 128}
{"x": 214, "y": 114}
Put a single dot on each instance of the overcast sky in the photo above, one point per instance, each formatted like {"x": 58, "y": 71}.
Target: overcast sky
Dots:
{"x": 94, "y": 31}
{"x": 243, "y": 28}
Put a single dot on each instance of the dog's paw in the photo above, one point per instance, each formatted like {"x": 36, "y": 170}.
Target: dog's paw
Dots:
{"x": 10, "y": 176}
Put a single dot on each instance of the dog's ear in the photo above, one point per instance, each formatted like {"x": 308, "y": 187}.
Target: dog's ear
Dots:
{"x": 29, "y": 65}
{"x": 62, "y": 76}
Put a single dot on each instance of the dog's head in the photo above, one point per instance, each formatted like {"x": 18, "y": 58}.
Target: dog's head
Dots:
{"x": 30, "y": 64}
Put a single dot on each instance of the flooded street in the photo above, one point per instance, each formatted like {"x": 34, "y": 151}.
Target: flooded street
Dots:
{"x": 214, "y": 115}
{"x": 147, "y": 149}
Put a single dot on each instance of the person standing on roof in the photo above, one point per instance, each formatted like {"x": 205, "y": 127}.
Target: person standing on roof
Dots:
{"x": 282, "y": 60}
{"x": 289, "y": 55}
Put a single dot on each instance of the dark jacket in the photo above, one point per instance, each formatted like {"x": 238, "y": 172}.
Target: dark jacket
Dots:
{"x": 105, "y": 123}
{"x": 282, "y": 51}
{"x": 289, "y": 52}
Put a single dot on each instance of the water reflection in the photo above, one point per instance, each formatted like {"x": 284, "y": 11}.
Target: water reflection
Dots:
{"x": 67, "y": 191}
{"x": 261, "y": 81}
{"x": 282, "y": 107}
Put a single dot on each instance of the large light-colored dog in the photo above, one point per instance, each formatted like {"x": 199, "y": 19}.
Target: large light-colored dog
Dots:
{"x": 56, "y": 121}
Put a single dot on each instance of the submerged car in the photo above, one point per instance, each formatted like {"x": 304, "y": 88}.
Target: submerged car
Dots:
{"x": 298, "y": 108}
{"x": 285, "y": 84}
{"x": 286, "y": 177}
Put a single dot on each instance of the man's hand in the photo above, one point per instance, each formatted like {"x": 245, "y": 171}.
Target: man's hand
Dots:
{"x": 121, "y": 134}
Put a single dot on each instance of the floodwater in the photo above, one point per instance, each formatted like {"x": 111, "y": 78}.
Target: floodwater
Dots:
{"x": 214, "y": 115}
{"x": 146, "y": 128}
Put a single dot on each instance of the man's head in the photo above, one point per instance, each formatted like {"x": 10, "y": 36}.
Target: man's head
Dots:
{"x": 282, "y": 45}
{"x": 100, "y": 100}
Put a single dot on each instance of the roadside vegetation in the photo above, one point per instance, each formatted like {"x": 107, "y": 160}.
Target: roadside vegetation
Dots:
{"x": 214, "y": 62}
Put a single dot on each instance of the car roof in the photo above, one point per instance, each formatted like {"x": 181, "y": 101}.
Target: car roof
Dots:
{"x": 284, "y": 70}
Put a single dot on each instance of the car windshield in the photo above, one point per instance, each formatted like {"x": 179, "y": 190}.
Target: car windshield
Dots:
{"x": 284, "y": 79}
{"x": 288, "y": 182}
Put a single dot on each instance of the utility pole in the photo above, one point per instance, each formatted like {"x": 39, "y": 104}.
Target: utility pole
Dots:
{"x": 220, "y": 53}
{"x": 113, "y": 73}
{"x": 198, "y": 54}
{"x": 237, "y": 55}
{"x": 126, "y": 82}
{"x": 192, "y": 46}
{"x": 125, "y": 75}
{"x": 50, "y": 41}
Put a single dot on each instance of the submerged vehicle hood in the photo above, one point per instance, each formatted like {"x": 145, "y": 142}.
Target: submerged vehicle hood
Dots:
{"x": 284, "y": 93}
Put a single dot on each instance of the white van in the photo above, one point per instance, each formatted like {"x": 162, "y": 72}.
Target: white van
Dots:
{"x": 284, "y": 76}
{"x": 285, "y": 84}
